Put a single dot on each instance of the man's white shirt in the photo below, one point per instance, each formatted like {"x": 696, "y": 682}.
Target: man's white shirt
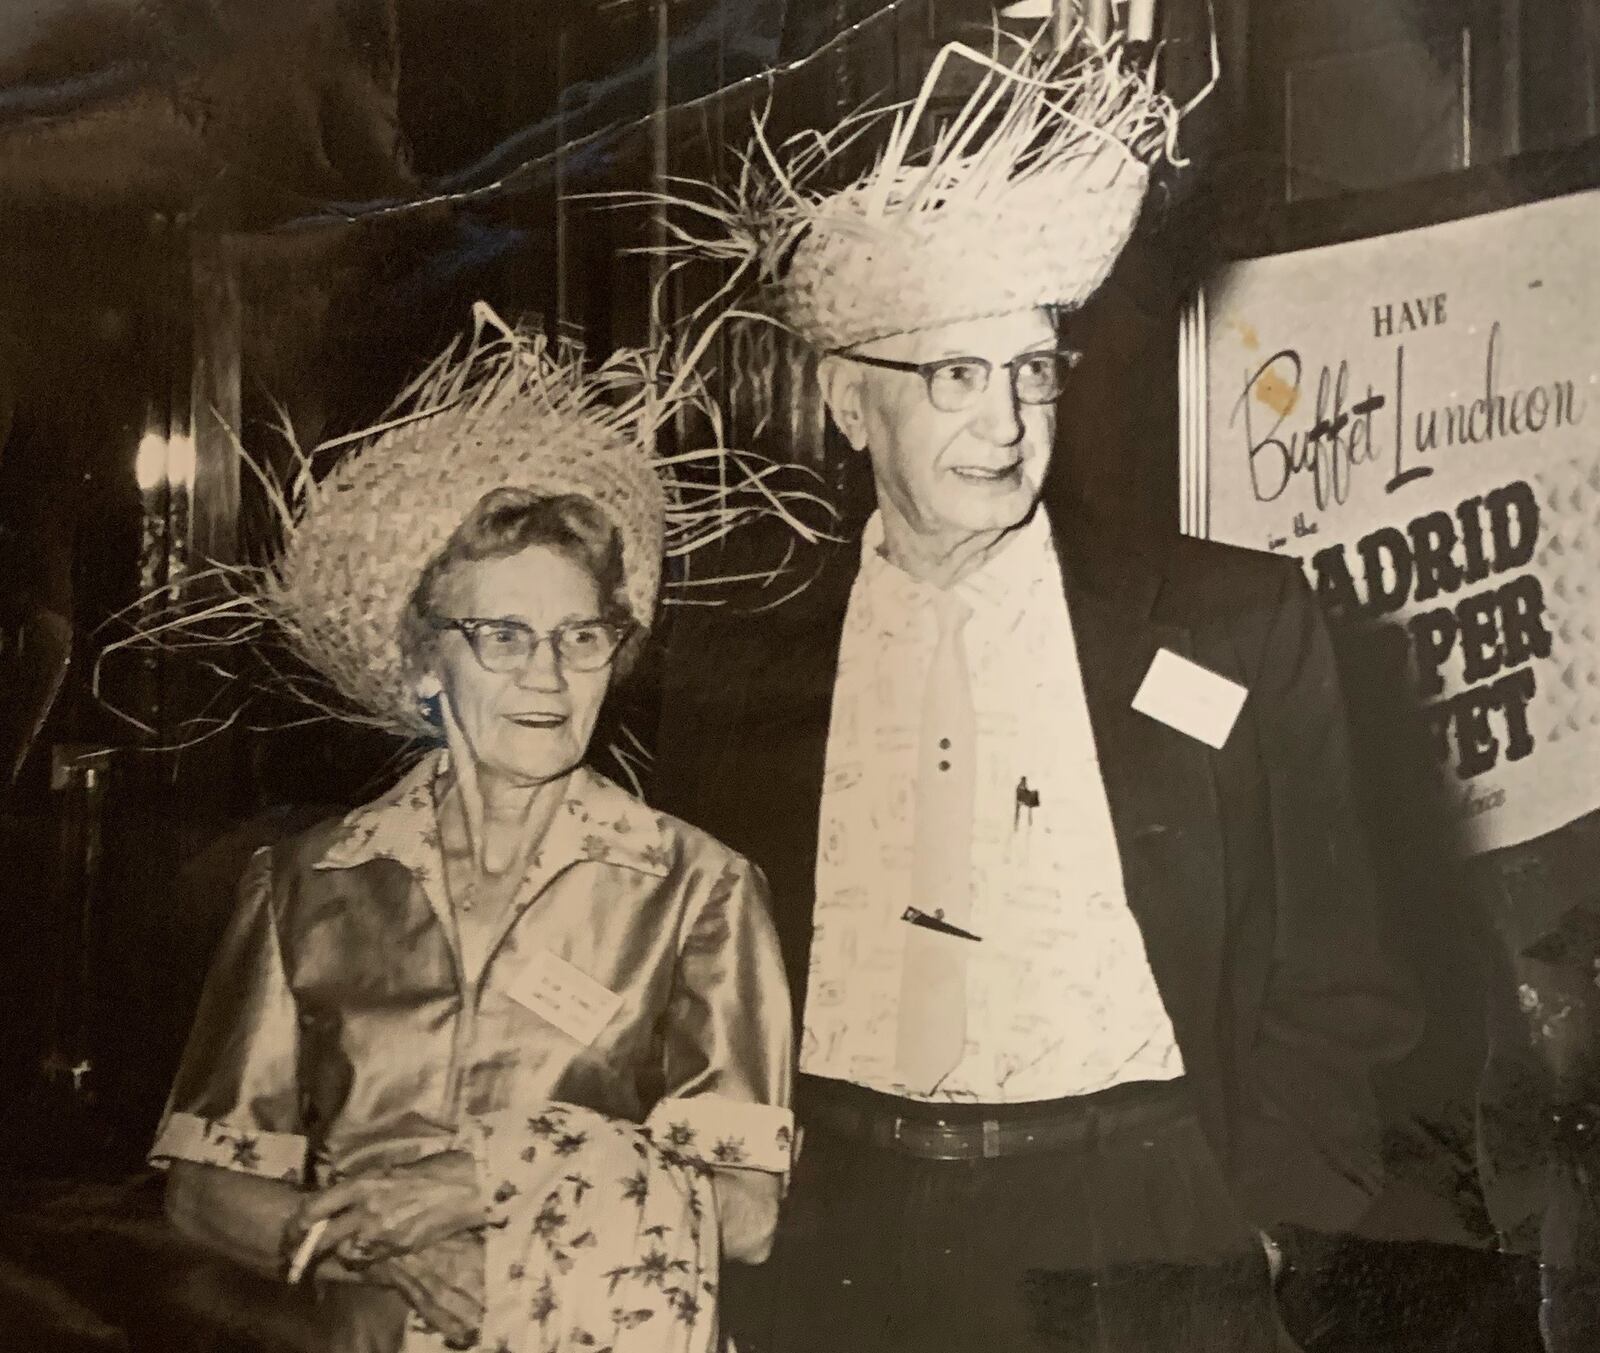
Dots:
{"x": 1060, "y": 997}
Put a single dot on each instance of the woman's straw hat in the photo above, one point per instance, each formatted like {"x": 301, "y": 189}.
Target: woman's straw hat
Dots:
{"x": 509, "y": 412}
{"x": 504, "y": 409}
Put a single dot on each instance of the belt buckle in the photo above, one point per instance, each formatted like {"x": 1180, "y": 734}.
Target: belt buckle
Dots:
{"x": 991, "y": 1138}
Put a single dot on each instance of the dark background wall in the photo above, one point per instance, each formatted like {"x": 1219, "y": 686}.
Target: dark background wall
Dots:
{"x": 359, "y": 173}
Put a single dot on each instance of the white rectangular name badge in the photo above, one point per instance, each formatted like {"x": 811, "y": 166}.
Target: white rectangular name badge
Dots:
{"x": 565, "y": 995}
{"x": 1191, "y": 698}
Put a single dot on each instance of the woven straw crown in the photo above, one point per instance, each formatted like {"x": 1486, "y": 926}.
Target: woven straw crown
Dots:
{"x": 1046, "y": 241}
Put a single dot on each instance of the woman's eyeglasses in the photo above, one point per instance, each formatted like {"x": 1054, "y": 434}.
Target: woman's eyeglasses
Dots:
{"x": 505, "y": 645}
{"x": 957, "y": 383}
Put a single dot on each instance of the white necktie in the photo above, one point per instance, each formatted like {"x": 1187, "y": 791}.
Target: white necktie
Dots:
{"x": 932, "y": 1024}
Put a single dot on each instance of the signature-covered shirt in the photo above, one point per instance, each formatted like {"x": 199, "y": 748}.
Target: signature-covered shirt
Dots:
{"x": 1060, "y": 997}
{"x": 637, "y": 974}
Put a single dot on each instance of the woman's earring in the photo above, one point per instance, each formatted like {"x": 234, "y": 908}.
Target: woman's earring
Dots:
{"x": 428, "y": 707}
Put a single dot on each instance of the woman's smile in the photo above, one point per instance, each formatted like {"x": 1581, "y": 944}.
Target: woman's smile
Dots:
{"x": 538, "y": 719}
{"x": 531, "y": 724}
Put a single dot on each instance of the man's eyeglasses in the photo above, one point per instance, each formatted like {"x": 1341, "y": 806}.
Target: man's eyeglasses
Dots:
{"x": 505, "y": 645}
{"x": 957, "y": 383}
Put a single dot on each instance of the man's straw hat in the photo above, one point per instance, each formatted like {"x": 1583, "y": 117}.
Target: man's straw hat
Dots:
{"x": 1024, "y": 197}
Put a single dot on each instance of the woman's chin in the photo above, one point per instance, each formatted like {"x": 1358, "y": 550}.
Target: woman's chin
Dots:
{"x": 533, "y": 765}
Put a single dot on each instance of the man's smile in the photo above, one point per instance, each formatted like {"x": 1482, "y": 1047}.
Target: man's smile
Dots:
{"x": 987, "y": 475}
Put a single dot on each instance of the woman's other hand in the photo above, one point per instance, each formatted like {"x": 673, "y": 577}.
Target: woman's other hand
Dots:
{"x": 443, "y": 1284}
{"x": 390, "y": 1210}
{"x": 747, "y": 1211}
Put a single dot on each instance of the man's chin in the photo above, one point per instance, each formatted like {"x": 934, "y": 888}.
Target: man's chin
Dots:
{"x": 996, "y": 507}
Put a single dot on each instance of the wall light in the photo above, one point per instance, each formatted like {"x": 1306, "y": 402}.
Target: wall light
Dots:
{"x": 163, "y": 460}
{"x": 1141, "y": 14}
{"x": 150, "y": 464}
{"x": 180, "y": 461}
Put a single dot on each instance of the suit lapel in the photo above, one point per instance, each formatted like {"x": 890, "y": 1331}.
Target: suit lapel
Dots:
{"x": 1159, "y": 783}
{"x": 778, "y": 750}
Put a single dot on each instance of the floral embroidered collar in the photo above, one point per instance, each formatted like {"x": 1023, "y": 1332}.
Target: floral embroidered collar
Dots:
{"x": 597, "y": 820}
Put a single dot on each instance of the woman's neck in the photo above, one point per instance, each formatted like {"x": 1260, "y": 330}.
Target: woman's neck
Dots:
{"x": 512, "y": 817}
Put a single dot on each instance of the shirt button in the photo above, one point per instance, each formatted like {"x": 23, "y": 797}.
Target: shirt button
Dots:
{"x": 944, "y": 765}
{"x": 944, "y": 744}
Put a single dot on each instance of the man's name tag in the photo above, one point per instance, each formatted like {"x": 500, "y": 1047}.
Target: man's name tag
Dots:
{"x": 1191, "y": 698}
{"x": 565, "y": 995}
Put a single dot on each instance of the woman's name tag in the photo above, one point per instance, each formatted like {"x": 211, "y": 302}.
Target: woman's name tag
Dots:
{"x": 564, "y": 995}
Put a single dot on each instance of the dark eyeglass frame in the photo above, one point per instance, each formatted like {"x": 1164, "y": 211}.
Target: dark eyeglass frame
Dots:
{"x": 1066, "y": 358}
{"x": 471, "y": 628}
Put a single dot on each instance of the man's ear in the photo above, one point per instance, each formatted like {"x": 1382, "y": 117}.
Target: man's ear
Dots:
{"x": 842, "y": 384}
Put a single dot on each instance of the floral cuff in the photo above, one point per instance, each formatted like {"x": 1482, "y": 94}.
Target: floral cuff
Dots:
{"x": 215, "y": 1141}
{"x": 725, "y": 1133}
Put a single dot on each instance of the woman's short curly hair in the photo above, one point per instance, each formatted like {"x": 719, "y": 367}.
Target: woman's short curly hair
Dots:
{"x": 504, "y": 523}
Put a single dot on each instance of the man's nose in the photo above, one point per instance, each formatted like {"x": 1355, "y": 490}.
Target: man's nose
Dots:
{"x": 998, "y": 418}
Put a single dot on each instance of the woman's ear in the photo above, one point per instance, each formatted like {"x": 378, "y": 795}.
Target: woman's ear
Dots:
{"x": 431, "y": 698}
{"x": 842, "y": 383}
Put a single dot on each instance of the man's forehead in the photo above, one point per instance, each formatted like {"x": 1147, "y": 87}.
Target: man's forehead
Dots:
{"x": 1001, "y": 336}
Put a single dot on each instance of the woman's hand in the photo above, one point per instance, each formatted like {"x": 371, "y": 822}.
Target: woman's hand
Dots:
{"x": 443, "y": 1284}
{"x": 391, "y": 1211}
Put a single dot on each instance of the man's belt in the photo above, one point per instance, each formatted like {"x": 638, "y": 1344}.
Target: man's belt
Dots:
{"x": 981, "y": 1139}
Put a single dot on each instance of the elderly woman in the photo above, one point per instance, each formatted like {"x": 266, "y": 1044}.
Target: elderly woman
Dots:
{"x": 505, "y": 1051}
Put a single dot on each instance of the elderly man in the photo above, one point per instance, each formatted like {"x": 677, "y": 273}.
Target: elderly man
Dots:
{"x": 1058, "y": 825}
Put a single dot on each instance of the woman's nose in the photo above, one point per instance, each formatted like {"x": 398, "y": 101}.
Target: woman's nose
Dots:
{"x": 542, "y": 670}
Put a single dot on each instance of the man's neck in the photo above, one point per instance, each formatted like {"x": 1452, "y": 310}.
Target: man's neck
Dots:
{"x": 944, "y": 560}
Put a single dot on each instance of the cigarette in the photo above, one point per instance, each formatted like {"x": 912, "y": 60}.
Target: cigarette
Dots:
{"x": 308, "y": 1246}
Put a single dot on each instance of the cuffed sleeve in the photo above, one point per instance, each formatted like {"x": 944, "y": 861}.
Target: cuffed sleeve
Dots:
{"x": 1308, "y": 1142}
{"x": 206, "y": 1141}
{"x": 235, "y": 1101}
{"x": 726, "y": 1132}
{"x": 728, "y": 1037}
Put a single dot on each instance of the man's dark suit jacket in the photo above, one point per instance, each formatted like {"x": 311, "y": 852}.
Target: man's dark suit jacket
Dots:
{"x": 1244, "y": 867}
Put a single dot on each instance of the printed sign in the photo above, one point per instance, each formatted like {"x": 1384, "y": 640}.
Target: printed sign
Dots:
{"x": 1415, "y": 417}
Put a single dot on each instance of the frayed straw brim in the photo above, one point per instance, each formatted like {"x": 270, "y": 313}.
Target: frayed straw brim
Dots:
{"x": 1024, "y": 198}
{"x": 505, "y": 411}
